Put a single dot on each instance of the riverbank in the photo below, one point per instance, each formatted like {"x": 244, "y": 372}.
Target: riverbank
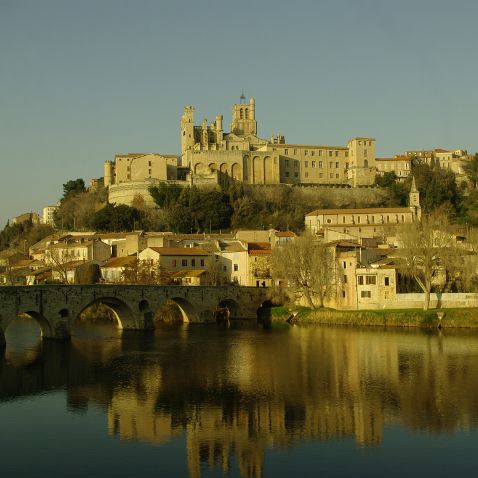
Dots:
{"x": 462, "y": 318}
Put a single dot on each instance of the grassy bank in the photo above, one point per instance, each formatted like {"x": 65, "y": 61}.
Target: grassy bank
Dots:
{"x": 466, "y": 317}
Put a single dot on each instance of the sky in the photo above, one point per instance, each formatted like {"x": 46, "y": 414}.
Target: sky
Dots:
{"x": 81, "y": 81}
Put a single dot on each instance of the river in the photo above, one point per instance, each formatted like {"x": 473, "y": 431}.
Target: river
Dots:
{"x": 203, "y": 401}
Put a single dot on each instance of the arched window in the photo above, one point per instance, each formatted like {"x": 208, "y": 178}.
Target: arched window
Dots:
{"x": 247, "y": 113}
{"x": 241, "y": 113}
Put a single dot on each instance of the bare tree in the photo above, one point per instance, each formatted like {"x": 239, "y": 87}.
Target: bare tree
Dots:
{"x": 214, "y": 270}
{"x": 308, "y": 268}
{"x": 427, "y": 251}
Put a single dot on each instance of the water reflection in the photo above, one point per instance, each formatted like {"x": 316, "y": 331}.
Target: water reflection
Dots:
{"x": 236, "y": 393}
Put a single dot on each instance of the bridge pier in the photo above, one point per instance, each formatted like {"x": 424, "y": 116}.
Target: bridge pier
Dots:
{"x": 3, "y": 342}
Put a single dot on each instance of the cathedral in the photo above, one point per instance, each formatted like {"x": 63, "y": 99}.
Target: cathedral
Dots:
{"x": 210, "y": 155}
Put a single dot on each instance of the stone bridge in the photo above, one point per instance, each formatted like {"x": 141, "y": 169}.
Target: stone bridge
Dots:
{"x": 56, "y": 307}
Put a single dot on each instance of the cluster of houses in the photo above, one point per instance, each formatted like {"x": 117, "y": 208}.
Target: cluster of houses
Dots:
{"x": 242, "y": 258}
{"x": 363, "y": 243}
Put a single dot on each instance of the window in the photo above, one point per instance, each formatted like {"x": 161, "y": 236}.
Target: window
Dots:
{"x": 336, "y": 153}
{"x": 321, "y": 164}
{"x": 296, "y": 174}
{"x": 305, "y": 152}
{"x": 345, "y": 279}
{"x": 330, "y": 153}
{"x": 236, "y": 267}
{"x": 286, "y": 163}
{"x": 296, "y": 164}
{"x": 286, "y": 151}
{"x": 149, "y": 163}
{"x": 287, "y": 174}
{"x": 365, "y": 152}
{"x": 184, "y": 262}
{"x": 331, "y": 175}
{"x": 306, "y": 163}
{"x": 337, "y": 165}
{"x": 312, "y": 153}
{"x": 225, "y": 268}
{"x": 321, "y": 175}
{"x": 174, "y": 262}
{"x": 387, "y": 280}
{"x": 360, "y": 280}
{"x": 337, "y": 175}
{"x": 202, "y": 262}
{"x": 313, "y": 165}
{"x": 366, "y": 294}
{"x": 306, "y": 175}
{"x": 295, "y": 151}
{"x": 370, "y": 280}
{"x": 320, "y": 152}
{"x": 343, "y": 294}
{"x": 344, "y": 265}
{"x": 149, "y": 171}
{"x": 346, "y": 165}
{"x": 193, "y": 262}
{"x": 330, "y": 164}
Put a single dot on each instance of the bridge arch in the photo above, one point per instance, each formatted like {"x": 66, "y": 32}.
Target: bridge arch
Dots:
{"x": 188, "y": 311}
{"x": 122, "y": 311}
{"x": 46, "y": 328}
{"x": 231, "y": 305}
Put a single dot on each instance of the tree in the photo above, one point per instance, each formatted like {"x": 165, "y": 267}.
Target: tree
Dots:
{"x": 471, "y": 170}
{"x": 427, "y": 251}
{"x": 73, "y": 186}
{"x": 165, "y": 195}
{"x": 87, "y": 274}
{"x": 112, "y": 218}
{"x": 437, "y": 187}
{"x": 308, "y": 268}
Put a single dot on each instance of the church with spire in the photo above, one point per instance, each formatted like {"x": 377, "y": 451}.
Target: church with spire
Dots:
{"x": 357, "y": 224}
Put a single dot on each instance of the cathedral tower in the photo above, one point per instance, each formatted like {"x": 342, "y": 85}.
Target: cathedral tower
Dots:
{"x": 187, "y": 129}
{"x": 244, "y": 118}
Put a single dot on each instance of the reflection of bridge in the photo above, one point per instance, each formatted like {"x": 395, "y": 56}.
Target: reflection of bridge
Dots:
{"x": 56, "y": 307}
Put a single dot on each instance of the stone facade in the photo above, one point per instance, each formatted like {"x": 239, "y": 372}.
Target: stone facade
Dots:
{"x": 55, "y": 308}
{"x": 210, "y": 155}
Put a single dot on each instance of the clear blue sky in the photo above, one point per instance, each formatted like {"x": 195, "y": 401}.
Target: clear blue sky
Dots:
{"x": 83, "y": 80}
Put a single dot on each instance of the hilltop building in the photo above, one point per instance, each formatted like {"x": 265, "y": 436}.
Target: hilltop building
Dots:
{"x": 356, "y": 224}
{"x": 210, "y": 155}
{"x": 401, "y": 164}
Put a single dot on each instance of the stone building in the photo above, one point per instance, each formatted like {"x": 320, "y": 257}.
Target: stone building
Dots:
{"x": 210, "y": 155}
{"x": 337, "y": 224}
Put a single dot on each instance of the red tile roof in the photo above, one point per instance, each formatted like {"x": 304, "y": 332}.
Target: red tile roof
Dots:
{"x": 180, "y": 251}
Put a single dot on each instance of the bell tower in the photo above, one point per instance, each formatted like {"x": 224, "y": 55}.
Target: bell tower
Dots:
{"x": 244, "y": 117}
{"x": 414, "y": 200}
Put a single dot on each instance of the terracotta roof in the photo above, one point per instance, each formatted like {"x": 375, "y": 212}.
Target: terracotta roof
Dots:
{"x": 180, "y": 251}
{"x": 23, "y": 262}
{"x": 285, "y": 234}
{"x": 395, "y": 158}
{"x": 189, "y": 273}
{"x": 371, "y": 210}
{"x": 120, "y": 261}
{"x": 260, "y": 252}
{"x": 258, "y": 246}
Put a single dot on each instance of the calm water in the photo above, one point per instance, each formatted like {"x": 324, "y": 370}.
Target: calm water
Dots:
{"x": 203, "y": 401}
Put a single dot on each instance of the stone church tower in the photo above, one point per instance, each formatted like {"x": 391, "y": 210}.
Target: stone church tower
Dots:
{"x": 414, "y": 201}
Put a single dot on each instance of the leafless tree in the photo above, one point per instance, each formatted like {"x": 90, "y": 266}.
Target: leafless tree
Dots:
{"x": 308, "y": 268}
{"x": 427, "y": 251}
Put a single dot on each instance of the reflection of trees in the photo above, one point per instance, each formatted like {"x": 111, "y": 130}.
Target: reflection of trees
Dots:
{"x": 235, "y": 394}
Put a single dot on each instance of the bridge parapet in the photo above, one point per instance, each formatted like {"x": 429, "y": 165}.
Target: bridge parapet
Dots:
{"x": 56, "y": 307}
